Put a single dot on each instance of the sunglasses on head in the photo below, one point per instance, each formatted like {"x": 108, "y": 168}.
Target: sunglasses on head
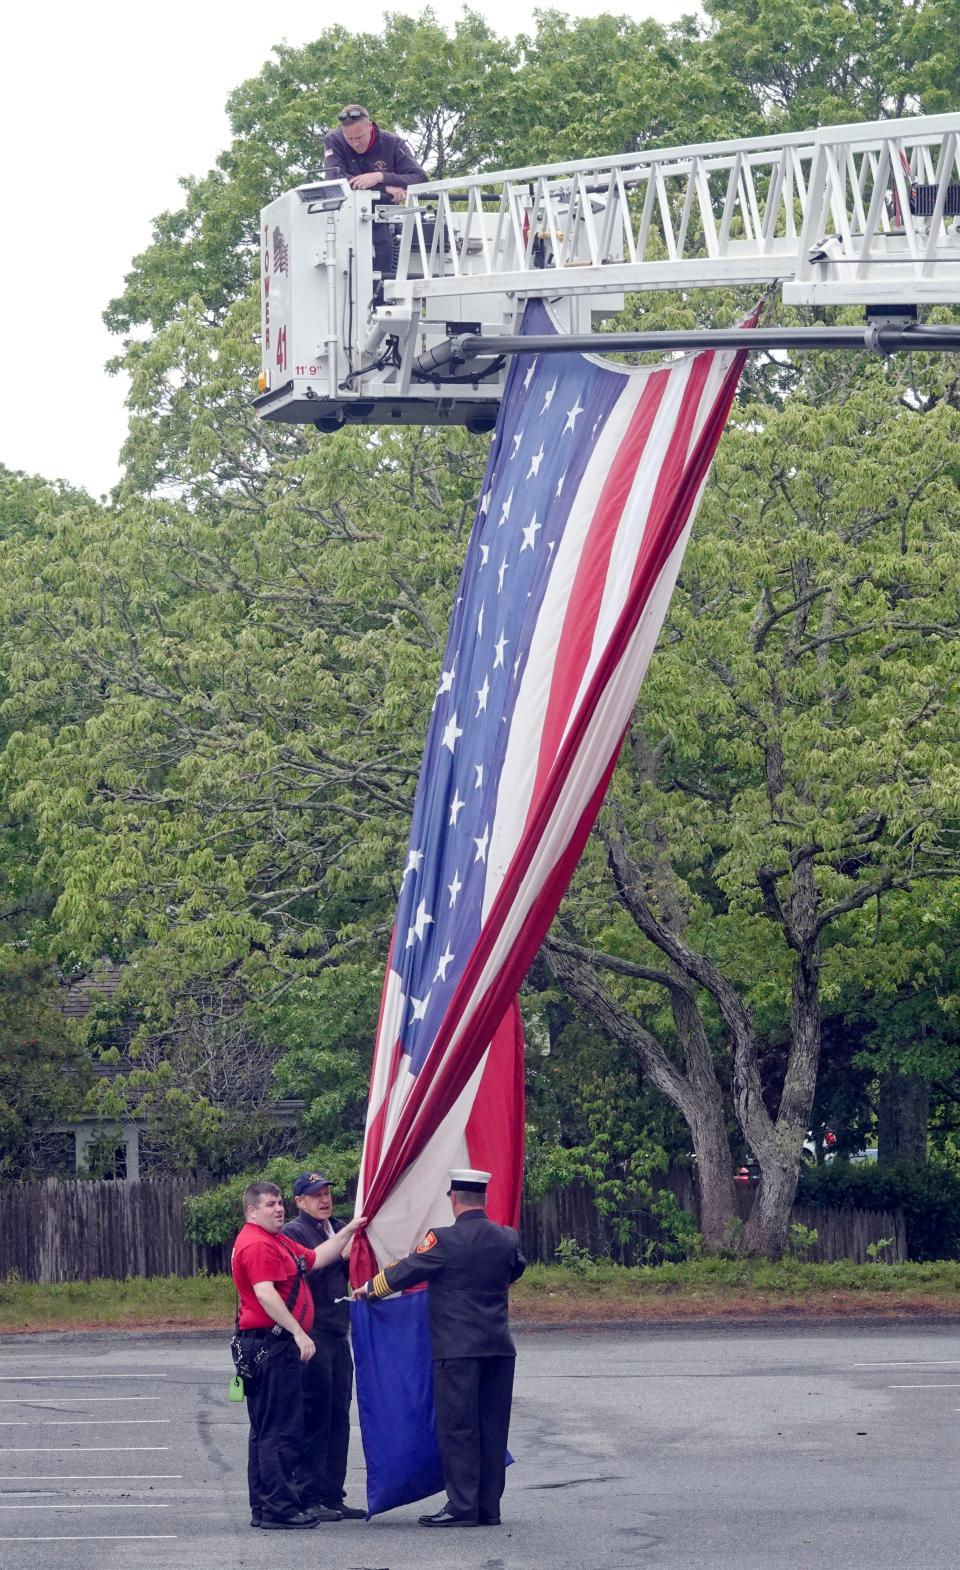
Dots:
{"x": 351, "y": 114}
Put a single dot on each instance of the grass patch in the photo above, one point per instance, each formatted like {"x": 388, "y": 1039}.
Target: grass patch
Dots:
{"x": 154, "y": 1301}
{"x": 720, "y": 1275}
{"x": 704, "y": 1288}
{"x": 735, "y": 1289}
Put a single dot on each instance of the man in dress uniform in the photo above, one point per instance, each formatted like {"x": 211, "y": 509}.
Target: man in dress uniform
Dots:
{"x": 274, "y": 1317}
{"x": 328, "y": 1375}
{"x": 468, "y": 1269}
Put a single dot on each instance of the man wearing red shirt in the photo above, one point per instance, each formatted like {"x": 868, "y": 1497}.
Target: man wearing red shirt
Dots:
{"x": 275, "y": 1315}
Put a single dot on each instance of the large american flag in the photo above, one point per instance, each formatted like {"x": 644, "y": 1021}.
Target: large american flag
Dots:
{"x": 594, "y": 476}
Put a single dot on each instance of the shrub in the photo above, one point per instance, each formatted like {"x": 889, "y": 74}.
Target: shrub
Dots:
{"x": 572, "y": 1256}
{"x": 801, "y": 1240}
{"x": 679, "y": 1237}
{"x": 929, "y": 1196}
{"x": 217, "y": 1215}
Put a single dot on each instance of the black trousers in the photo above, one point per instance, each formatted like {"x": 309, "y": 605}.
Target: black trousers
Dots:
{"x": 275, "y": 1409}
{"x": 327, "y": 1392}
{"x": 383, "y": 250}
{"x": 473, "y": 1397}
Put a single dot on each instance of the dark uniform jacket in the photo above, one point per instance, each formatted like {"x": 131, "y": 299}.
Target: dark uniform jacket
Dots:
{"x": 468, "y": 1268}
{"x": 387, "y": 155}
{"x": 325, "y": 1284}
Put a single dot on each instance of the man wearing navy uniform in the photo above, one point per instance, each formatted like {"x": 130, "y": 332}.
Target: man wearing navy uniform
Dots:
{"x": 468, "y": 1269}
{"x": 328, "y": 1375}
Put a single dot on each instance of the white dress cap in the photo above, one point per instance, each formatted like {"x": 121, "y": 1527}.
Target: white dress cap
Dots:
{"x": 464, "y": 1176}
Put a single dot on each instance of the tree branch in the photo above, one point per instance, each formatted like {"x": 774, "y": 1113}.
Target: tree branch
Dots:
{"x": 612, "y": 962}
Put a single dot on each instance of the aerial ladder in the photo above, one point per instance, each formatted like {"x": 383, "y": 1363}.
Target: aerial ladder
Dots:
{"x": 864, "y": 215}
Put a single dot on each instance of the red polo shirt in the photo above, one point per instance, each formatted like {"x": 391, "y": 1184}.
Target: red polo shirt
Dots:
{"x": 259, "y": 1255}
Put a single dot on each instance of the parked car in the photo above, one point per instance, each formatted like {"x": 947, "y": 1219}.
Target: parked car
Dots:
{"x": 869, "y": 1153}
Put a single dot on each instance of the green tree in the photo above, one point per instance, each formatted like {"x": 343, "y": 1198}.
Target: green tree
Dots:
{"x": 243, "y": 679}
{"x": 216, "y": 690}
{"x": 791, "y": 761}
{"x": 25, "y": 500}
{"x": 591, "y": 1116}
{"x": 43, "y": 1073}
{"x": 825, "y": 62}
{"x": 592, "y": 86}
{"x": 903, "y": 1021}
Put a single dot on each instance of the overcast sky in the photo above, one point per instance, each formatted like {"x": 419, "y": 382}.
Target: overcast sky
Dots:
{"x": 103, "y": 105}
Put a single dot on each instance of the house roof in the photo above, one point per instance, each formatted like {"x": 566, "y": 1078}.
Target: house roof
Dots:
{"x": 80, "y": 995}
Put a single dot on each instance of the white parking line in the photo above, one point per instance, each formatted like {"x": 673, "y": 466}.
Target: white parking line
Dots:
{"x": 56, "y": 1405}
{"x": 99, "y": 1477}
{"x": 49, "y": 1450}
{"x": 54, "y": 1493}
{"x": 23, "y": 1347}
{"x": 923, "y": 1362}
{"x": 80, "y": 1422}
{"x": 952, "y": 1384}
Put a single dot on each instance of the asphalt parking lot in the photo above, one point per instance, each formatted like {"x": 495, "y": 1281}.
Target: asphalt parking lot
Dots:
{"x": 687, "y": 1449}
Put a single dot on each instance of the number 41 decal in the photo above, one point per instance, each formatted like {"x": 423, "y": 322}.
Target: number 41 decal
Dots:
{"x": 282, "y": 348}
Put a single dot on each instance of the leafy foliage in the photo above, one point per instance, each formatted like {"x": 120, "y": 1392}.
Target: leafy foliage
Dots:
{"x": 217, "y": 1215}
{"x": 789, "y": 799}
{"x": 929, "y": 1196}
{"x": 42, "y": 1072}
{"x": 214, "y": 690}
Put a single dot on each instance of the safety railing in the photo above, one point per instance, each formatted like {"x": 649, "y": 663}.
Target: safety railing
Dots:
{"x": 838, "y": 207}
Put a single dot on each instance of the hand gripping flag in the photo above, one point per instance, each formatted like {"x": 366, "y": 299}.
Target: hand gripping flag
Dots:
{"x": 593, "y": 480}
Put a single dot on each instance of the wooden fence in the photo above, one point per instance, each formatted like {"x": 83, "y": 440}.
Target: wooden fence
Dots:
{"x": 81, "y": 1231}
{"x": 55, "y": 1231}
{"x": 570, "y": 1213}
{"x": 847, "y": 1234}
{"x": 843, "y": 1233}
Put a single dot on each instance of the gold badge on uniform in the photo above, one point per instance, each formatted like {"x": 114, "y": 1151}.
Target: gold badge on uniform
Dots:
{"x": 429, "y": 1242}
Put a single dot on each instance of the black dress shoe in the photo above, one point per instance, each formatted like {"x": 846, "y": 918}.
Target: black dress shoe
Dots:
{"x": 488, "y": 1520}
{"x": 348, "y": 1512}
{"x": 255, "y": 1518}
{"x": 301, "y": 1522}
{"x": 322, "y": 1512}
{"x": 445, "y": 1517}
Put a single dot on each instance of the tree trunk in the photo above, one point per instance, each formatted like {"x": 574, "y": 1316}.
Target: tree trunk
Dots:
{"x": 903, "y": 1117}
{"x": 696, "y": 1094}
{"x": 778, "y": 1146}
{"x": 715, "y": 1188}
{"x": 702, "y": 1106}
{"x": 766, "y": 1231}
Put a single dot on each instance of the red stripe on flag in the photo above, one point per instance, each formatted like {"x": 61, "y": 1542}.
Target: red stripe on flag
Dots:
{"x": 586, "y": 595}
{"x": 374, "y": 1133}
{"x": 453, "y": 1074}
{"x": 671, "y": 471}
{"x": 494, "y": 1131}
